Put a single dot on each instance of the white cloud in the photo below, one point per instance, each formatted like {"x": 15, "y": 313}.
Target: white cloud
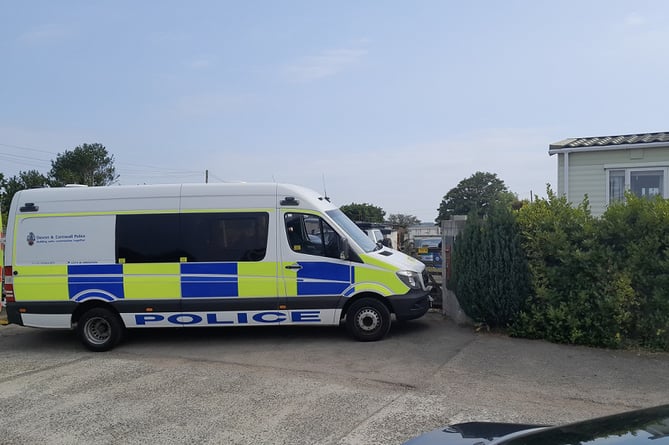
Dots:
{"x": 326, "y": 64}
{"x": 634, "y": 19}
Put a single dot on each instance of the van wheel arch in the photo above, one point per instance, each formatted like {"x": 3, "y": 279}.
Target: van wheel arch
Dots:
{"x": 357, "y": 297}
{"x": 88, "y": 305}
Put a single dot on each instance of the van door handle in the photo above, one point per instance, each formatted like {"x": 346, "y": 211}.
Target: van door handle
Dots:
{"x": 294, "y": 266}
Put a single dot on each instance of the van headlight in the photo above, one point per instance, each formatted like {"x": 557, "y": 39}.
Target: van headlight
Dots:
{"x": 410, "y": 278}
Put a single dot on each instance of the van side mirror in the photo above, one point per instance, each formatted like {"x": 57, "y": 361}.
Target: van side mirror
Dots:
{"x": 343, "y": 251}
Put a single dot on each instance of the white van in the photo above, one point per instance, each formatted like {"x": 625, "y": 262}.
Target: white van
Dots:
{"x": 102, "y": 259}
{"x": 374, "y": 234}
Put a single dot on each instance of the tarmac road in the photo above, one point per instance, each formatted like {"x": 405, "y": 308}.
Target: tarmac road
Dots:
{"x": 304, "y": 385}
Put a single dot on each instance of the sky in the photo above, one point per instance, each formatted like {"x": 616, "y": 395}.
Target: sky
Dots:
{"x": 388, "y": 102}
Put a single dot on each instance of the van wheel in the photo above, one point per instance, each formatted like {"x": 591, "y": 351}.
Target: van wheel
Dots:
{"x": 99, "y": 329}
{"x": 368, "y": 320}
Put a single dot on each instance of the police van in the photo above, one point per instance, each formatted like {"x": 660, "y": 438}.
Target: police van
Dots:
{"x": 103, "y": 259}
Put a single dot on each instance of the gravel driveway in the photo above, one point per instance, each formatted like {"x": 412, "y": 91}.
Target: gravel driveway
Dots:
{"x": 302, "y": 385}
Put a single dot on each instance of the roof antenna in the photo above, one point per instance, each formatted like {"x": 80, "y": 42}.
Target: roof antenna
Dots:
{"x": 325, "y": 192}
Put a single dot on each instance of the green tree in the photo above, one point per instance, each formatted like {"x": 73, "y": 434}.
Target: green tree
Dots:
{"x": 88, "y": 164}
{"x": 363, "y": 212}
{"x": 24, "y": 180}
{"x": 477, "y": 194}
{"x": 401, "y": 220}
{"x": 490, "y": 271}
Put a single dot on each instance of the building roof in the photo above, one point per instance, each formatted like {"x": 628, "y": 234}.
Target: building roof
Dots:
{"x": 602, "y": 142}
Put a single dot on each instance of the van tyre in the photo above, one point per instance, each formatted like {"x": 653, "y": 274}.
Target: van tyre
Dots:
{"x": 368, "y": 319}
{"x": 100, "y": 329}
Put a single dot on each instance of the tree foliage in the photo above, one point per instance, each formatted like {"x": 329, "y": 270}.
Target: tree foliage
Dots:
{"x": 364, "y": 212}
{"x": 477, "y": 194}
{"x": 24, "y": 180}
{"x": 401, "y": 220}
{"x": 490, "y": 271}
{"x": 88, "y": 164}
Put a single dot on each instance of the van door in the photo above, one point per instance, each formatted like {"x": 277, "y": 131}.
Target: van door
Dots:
{"x": 229, "y": 263}
{"x": 314, "y": 275}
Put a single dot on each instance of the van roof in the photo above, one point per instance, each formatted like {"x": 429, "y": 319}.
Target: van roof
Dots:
{"x": 69, "y": 194}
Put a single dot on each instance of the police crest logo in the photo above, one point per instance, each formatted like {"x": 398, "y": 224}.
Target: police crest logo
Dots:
{"x": 31, "y": 239}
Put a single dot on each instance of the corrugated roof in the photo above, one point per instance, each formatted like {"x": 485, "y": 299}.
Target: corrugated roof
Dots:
{"x": 661, "y": 138}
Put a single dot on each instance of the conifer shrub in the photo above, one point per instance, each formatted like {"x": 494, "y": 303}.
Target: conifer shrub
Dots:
{"x": 490, "y": 273}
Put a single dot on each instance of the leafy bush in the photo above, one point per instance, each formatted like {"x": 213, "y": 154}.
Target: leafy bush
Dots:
{"x": 598, "y": 282}
{"x": 575, "y": 300}
{"x": 635, "y": 236}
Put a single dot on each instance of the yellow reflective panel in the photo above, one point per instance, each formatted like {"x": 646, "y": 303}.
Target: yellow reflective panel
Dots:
{"x": 366, "y": 276}
{"x": 151, "y": 280}
{"x": 41, "y": 283}
{"x": 257, "y": 279}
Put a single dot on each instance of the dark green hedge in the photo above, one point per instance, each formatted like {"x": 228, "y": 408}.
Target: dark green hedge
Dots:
{"x": 490, "y": 273}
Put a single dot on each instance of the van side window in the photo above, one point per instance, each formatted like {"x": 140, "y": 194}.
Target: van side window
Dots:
{"x": 224, "y": 236}
{"x": 311, "y": 235}
{"x": 147, "y": 238}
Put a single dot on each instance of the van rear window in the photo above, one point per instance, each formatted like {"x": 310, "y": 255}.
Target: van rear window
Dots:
{"x": 147, "y": 238}
{"x": 224, "y": 236}
{"x": 197, "y": 237}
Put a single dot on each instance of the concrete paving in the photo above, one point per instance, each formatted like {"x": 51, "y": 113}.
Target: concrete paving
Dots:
{"x": 305, "y": 385}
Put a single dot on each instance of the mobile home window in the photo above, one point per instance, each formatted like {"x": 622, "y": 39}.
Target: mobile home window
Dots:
{"x": 147, "y": 238}
{"x": 616, "y": 185}
{"x": 643, "y": 182}
{"x": 647, "y": 183}
{"x": 210, "y": 237}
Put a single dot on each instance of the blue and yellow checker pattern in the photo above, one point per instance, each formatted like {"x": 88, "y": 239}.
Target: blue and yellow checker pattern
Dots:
{"x": 174, "y": 280}
{"x": 111, "y": 282}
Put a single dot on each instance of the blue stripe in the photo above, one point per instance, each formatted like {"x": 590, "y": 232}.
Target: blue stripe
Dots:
{"x": 325, "y": 271}
{"x": 201, "y": 289}
{"x": 94, "y": 269}
{"x": 209, "y": 268}
{"x": 90, "y": 289}
{"x": 336, "y": 278}
{"x": 216, "y": 279}
{"x": 324, "y": 288}
{"x": 103, "y": 281}
{"x": 222, "y": 281}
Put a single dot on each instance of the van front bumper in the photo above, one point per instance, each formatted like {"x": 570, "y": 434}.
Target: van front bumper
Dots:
{"x": 413, "y": 304}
